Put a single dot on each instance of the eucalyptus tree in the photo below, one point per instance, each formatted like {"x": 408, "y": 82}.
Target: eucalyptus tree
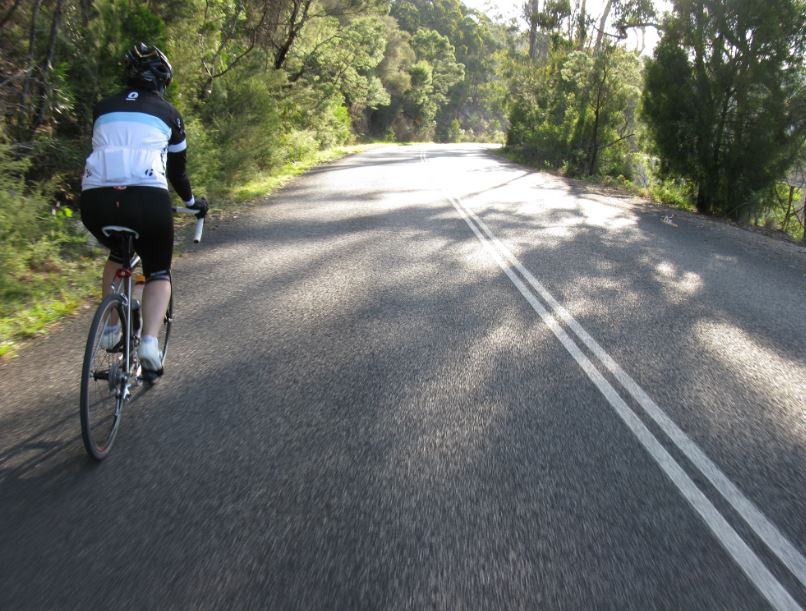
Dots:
{"x": 577, "y": 111}
{"x": 432, "y": 76}
{"x": 574, "y": 97}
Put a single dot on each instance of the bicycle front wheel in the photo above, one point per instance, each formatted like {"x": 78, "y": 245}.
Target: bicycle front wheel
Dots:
{"x": 103, "y": 379}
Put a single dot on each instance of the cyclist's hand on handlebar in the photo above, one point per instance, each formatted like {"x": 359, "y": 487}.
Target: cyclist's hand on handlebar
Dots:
{"x": 201, "y": 205}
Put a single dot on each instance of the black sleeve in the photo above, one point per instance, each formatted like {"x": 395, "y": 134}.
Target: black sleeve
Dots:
{"x": 176, "y": 164}
{"x": 177, "y": 174}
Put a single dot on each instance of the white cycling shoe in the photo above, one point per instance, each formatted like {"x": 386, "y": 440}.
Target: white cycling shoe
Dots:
{"x": 110, "y": 337}
{"x": 150, "y": 355}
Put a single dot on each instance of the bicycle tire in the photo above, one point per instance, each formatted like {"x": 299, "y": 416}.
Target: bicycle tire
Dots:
{"x": 103, "y": 382}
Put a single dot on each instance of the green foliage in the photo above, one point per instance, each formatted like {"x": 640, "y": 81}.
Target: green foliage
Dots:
{"x": 334, "y": 126}
{"x": 724, "y": 98}
{"x": 577, "y": 111}
{"x": 475, "y": 41}
{"x": 431, "y": 77}
{"x": 672, "y": 192}
{"x": 397, "y": 58}
{"x": 243, "y": 117}
{"x": 206, "y": 166}
{"x": 43, "y": 255}
{"x": 34, "y": 235}
{"x": 337, "y": 60}
{"x": 18, "y": 211}
{"x": 438, "y": 52}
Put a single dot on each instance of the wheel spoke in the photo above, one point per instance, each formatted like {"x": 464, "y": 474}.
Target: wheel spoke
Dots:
{"x": 103, "y": 382}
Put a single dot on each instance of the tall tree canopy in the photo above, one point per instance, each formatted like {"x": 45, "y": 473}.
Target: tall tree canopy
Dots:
{"x": 725, "y": 97}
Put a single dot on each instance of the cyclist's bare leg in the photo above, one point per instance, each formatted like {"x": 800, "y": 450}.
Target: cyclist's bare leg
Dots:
{"x": 110, "y": 269}
{"x": 156, "y": 297}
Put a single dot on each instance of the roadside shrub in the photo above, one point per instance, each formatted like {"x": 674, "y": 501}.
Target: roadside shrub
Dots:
{"x": 245, "y": 122}
{"x": 204, "y": 159}
{"x": 333, "y": 126}
{"x": 296, "y": 145}
{"x": 35, "y": 237}
{"x": 18, "y": 211}
{"x": 672, "y": 192}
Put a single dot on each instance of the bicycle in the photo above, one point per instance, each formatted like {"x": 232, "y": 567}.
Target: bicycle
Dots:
{"x": 111, "y": 371}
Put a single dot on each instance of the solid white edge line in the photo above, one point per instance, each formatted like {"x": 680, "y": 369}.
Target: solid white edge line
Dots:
{"x": 761, "y": 525}
{"x": 747, "y": 560}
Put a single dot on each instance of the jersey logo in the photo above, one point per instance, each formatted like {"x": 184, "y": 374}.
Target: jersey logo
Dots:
{"x": 133, "y": 95}
{"x": 179, "y": 123}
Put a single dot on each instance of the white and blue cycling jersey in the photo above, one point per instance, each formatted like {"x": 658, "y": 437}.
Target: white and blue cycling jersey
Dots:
{"x": 138, "y": 139}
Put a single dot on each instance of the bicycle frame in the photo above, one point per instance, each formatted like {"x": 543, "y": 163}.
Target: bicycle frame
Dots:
{"x": 122, "y": 285}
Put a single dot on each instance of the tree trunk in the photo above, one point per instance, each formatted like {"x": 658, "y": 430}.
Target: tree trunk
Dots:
{"x": 602, "y": 23}
{"x": 788, "y": 214}
{"x": 803, "y": 219}
{"x": 704, "y": 204}
{"x": 295, "y": 24}
{"x": 22, "y": 113}
{"x": 47, "y": 67}
{"x": 533, "y": 8}
{"x": 594, "y": 149}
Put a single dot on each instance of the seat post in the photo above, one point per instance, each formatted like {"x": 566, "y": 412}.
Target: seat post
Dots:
{"x": 125, "y": 236}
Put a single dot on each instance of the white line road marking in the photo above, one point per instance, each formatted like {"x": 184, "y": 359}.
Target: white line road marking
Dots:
{"x": 765, "y": 529}
{"x": 747, "y": 560}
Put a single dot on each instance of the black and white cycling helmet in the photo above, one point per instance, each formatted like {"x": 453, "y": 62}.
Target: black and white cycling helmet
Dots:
{"x": 148, "y": 66}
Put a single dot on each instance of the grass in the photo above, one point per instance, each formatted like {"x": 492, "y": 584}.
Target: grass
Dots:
{"x": 47, "y": 297}
{"x": 32, "y": 302}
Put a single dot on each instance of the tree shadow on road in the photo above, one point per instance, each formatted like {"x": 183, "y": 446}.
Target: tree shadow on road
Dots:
{"x": 368, "y": 385}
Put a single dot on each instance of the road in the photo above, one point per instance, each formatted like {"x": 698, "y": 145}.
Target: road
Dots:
{"x": 425, "y": 377}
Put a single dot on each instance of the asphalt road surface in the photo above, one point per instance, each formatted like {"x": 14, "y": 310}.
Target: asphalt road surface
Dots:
{"x": 424, "y": 377}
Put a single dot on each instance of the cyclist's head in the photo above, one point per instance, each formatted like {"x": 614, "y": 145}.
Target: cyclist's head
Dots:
{"x": 147, "y": 68}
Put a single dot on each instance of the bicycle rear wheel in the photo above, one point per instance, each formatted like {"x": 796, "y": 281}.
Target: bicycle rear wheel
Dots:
{"x": 103, "y": 381}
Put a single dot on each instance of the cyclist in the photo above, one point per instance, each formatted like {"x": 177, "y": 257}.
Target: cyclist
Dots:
{"x": 138, "y": 146}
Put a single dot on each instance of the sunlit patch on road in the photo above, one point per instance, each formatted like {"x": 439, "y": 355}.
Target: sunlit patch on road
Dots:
{"x": 762, "y": 369}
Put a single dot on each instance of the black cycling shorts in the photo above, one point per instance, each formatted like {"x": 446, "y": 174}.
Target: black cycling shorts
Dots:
{"x": 147, "y": 210}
